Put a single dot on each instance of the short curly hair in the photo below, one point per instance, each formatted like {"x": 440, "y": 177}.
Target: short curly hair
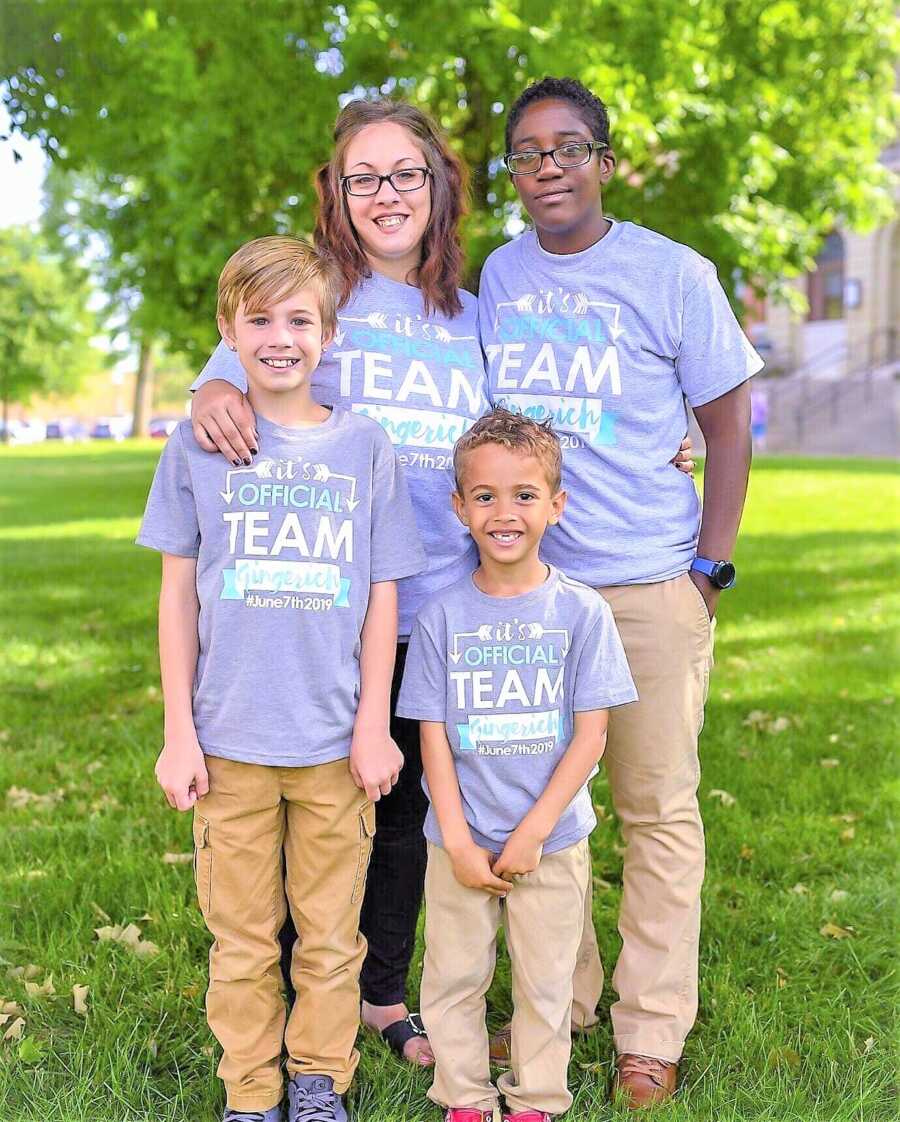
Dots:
{"x": 516, "y": 432}
{"x": 589, "y": 107}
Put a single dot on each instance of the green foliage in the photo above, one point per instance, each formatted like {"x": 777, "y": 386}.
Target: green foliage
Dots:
{"x": 746, "y": 128}
{"x": 45, "y": 326}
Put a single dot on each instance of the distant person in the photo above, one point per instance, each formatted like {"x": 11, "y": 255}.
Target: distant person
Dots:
{"x": 511, "y": 671}
{"x": 759, "y": 417}
{"x": 605, "y": 328}
{"x": 407, "y": 352}
{"x": 278, "y": 613}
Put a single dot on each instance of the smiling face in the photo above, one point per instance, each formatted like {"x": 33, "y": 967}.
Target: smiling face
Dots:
{"x": 507, "y": 502}
{"x": 564, "y": 203}
{"x": 390, "y": 224}
{"x": 279, "y": 345}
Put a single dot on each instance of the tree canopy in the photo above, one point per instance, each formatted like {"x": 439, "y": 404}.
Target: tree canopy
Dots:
{"x": 45, "y": 324}
{"x": 746, "y": 128}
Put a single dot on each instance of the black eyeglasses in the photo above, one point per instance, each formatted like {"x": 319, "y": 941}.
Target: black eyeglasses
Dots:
{"x": 571, "y": 155}
{"x": 368, "y": 183}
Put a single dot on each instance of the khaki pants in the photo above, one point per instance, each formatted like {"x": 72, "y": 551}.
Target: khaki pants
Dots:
{"x": 543, "y": 919}
{"x": 654, "y": 769}
{"x": 324, "y": 825}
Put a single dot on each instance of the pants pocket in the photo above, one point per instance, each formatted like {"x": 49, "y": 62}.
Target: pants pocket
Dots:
{"x": 202, "y": 862}
{"x": 366, "y": 834}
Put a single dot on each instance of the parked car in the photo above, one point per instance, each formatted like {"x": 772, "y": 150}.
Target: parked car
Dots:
{"x": 25, "y": 432}
{"x": 66, "y": 429}
{"x": 111, "y": 428}
{"x": 162, "y": 427}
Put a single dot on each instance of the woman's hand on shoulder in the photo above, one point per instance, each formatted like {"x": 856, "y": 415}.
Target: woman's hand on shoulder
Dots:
{"x": 224, "y": 422}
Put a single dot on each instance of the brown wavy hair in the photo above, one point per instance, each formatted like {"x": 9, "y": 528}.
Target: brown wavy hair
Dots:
{"x": 440, "y": 272}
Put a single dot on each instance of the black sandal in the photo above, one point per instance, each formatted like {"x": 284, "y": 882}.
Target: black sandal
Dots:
{"x": 397, "y": 1034}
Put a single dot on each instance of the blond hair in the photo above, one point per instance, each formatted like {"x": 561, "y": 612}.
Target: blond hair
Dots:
{"x": 518, "y": 433}
{"x": 267, "y": 270}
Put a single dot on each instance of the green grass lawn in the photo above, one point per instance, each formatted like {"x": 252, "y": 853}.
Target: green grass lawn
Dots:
{"x": 799, "y": 744}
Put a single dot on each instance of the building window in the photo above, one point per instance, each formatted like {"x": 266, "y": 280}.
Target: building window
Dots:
{"x": 825, "y": 287}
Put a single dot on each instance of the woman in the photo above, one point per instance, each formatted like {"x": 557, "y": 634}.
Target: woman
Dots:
{"x": 406, "y": 353}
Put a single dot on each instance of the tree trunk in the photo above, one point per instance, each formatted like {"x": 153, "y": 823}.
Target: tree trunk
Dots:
{"x": 143, "y": 389}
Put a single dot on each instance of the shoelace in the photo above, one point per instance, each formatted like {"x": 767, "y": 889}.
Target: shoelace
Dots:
{"x": 645, "y": 1065}
{"x": 244, "y": 1116}
{"x": 308, "y": 1105}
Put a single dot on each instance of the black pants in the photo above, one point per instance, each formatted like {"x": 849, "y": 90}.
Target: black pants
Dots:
{"x": 396, "y": 877}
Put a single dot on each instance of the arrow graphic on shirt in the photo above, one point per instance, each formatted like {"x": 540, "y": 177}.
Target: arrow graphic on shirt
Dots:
{"x": 443, "y": 335}
{"x": 581, "y": 304}
{"x": 373, "y": 319}
{"x": 538, "y": 631}
{"x": 262, "y": 470}
{"x": 483, "y": 634}
{"x": 322, "y": 474}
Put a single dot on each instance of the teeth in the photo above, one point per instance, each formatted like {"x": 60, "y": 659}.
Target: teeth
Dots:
{"x": 388, "y": 223}
{"x": 508, "y": 537}
{"x": 279, "y": 363}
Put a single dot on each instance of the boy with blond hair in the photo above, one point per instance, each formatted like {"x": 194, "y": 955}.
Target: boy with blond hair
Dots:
{"x": 277, "y": 628}
{"x": 511, "y": 672}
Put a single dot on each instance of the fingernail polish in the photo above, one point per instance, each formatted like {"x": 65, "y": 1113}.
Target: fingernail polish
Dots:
{"x": 247, "y": 462}
{"x": 236, "y": 463}
{"x": 254, "y": 451}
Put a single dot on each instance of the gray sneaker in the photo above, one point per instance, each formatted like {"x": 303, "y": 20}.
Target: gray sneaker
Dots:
{"x": 273, "y": 1114}
{"x": 312, "y": 1098}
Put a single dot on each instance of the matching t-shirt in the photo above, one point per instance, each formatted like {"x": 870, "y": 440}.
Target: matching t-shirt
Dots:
{"x": 506, "y": 676}
{"x": 286, "y": 551}
{"x": 421, "y": 377}
{"x": 608, "y": 343}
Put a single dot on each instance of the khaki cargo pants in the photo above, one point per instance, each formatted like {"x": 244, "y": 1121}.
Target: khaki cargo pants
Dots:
{"x": 324, "y": 825}
{"x": 653, "y": 766}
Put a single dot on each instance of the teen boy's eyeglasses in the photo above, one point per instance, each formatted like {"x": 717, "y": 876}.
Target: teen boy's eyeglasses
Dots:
{"x": 566, "y": 156}
{"x": 406, "y": 179}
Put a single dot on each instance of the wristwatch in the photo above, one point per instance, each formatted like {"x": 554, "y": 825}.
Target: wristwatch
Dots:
{"x": 721, "y": 573}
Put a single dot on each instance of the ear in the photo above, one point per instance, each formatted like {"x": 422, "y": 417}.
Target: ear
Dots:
{"x": 557, "y": 506}
{"x": 608, "y": 163}
{"x": 226, "y": 330}
{"x": 458, "y": 507}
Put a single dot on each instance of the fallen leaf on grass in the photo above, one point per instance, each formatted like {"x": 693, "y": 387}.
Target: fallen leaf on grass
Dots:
{"x": 16, "y": 1030}
{"x": 833, "y": 738}
{"x": 757, "y": 719}
{"x": 601, "y": 885}
{"x": 780, "y": 724}
{"x": 129, "y": 936}
{"x": 781, "y": 977}
{"x": 833, "y": 931}
{"x": 723, "y": 796}
{"x": 93, "y": 766}
{"x": 12, "y": 1007}
{"x": 79, "y": 999}
{"x": 177, "y": 858}
{"x": 868, "y": 1044}
{"x": 746, "y": 853}
{"x": 20, "y": 797}
{"x": 844, "y": 818}
{"x": 848, "y": 835}
{"x": 838, "y": 895}
{"x": 595, "y": 1067}
{"x": 25, "y": 973}
{"x": 783, "y": 1057}
{"x": 47, "y": 989}
{"x": 31, "y": 1051}
{"x": 800, "y": 889}
{"x": 829, "y": 761}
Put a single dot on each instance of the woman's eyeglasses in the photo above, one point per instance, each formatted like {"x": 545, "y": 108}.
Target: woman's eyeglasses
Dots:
{"x": 368, "y": 183}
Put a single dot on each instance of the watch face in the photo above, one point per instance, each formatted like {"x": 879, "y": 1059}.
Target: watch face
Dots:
{"x": 723, "y": 574}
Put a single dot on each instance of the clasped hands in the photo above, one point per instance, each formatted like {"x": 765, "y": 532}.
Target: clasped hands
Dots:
{"x": 475, "y": 867}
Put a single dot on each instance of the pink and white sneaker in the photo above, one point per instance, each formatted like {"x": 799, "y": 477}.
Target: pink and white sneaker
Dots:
{"x": 527, "y": 1116}
{"x": 468, "y": 1114}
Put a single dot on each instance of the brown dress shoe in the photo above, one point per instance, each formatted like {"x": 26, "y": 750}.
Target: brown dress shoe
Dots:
{"x": 643, "y": 1080}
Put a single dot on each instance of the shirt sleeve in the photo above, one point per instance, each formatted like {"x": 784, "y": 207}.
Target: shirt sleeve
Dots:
{"x": 423, "y": 692}
{"x": 602, "y": 676}
{"x": 222, "y": 363}
{"x": 715, "y": 355}
{"x": 396, "y": 549}
{"x": 170, "y": 522}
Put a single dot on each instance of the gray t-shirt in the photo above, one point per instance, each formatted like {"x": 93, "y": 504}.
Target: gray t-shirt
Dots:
{"x": 506, "y": 675}
{"x": 286, "y": 551}
{"x": 608, "y": 343}
{"x": 422, "y": 378}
